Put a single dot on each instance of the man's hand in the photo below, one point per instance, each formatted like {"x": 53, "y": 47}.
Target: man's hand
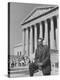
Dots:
{"x": 40, "y": 64}
{"x": 40, "y": 68}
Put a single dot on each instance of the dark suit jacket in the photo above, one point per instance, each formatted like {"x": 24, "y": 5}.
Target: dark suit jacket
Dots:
{"x": 43, "y": 55}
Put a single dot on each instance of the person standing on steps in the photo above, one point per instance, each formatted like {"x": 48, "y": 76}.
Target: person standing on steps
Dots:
{"x": 42, "y": 59}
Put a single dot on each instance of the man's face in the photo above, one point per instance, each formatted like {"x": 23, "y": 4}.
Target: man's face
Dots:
{"x": 40, "y": 42}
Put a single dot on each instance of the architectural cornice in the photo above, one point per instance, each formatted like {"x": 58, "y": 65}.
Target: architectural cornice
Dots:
{"x": 39, "y": 15}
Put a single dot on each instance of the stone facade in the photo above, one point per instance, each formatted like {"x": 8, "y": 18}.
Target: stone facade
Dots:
{"x": 42, "y": 23}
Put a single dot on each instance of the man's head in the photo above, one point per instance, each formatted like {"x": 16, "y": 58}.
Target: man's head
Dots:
{"x": 40, "y": 41}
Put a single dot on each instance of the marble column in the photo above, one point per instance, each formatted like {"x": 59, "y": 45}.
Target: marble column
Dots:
{"x": 52, "y": 41}
{"x": 35, "y": 37}
{"x": 41, "y": 31}
{"x": 57, "y": 41}
{"x": 23, "y": 42}
{"x": 31, "y": 42}
{"x": 46, "y": 34}
{"x": 27, "y": 42}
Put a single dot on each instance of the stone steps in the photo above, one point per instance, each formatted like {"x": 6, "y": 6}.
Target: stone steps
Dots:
{"x": 24, "y": 71}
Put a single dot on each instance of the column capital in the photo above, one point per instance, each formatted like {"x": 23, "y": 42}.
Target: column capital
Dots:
{"x": 48, "y": 20}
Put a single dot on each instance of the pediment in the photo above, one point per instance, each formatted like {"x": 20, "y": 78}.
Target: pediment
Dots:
{"x": 37, "y": 12}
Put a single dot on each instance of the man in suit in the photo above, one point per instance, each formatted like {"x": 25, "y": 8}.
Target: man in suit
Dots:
{"x": 42, "y": 59}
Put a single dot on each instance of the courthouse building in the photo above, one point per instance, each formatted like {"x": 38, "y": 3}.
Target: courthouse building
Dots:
{"x": 41, "y": 23}
{"x": 18, "y": 49}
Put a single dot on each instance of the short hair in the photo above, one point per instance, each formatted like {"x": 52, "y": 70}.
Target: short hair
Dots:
{"x": 40, "y": 39}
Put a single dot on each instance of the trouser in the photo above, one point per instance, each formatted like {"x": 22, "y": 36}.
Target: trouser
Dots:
{"x": 34, "y": 67}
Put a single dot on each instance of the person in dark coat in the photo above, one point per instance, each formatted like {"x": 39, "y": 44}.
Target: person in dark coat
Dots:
{"x": 42, "y": 59}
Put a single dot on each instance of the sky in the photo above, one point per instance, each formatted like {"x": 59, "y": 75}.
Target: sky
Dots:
{"x": 18, "y": 12}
